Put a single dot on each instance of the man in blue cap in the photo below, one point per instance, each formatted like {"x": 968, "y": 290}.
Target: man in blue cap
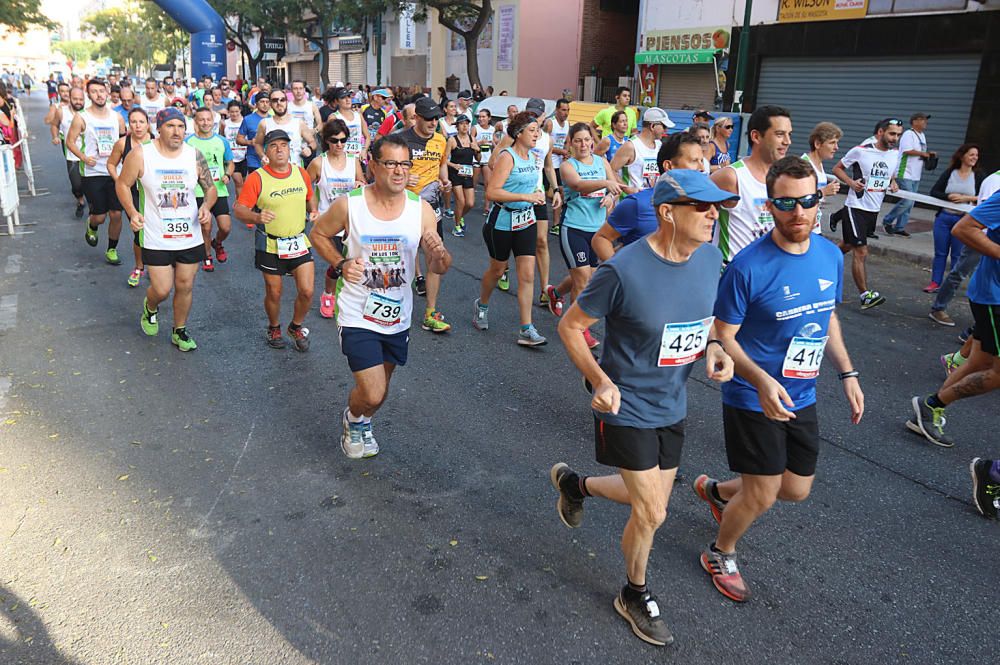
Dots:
{"x": 374, "y": 111}
{"x": 639, "y": 396}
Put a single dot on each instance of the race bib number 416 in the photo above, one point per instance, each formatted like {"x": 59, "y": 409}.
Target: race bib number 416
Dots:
{"x": 803, "y": 357}
{"x": 684, "y": 343}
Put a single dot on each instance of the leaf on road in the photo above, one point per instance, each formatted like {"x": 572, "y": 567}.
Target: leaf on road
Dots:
{"x": 123, "y": 477}
{"x": 482, "y": 578}
{"x": 453, "y": 543}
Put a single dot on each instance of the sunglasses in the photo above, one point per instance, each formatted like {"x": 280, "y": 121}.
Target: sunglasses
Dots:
{"x": 276, "y": 100}
{"x": 788, "y": 203}
{"x": 893, "y": 121}
{"x": 704, "y": 206}
{"x": 392, "y": 164}
{"x": 335, "y": 140}
{"x": 727, "y": 126}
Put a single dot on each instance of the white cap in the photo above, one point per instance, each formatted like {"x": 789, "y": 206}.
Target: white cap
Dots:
{"x": 656, "y": 114}
{"x": 338, "y": 84}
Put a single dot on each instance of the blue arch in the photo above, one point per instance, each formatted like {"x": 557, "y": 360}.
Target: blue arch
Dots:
{"x": 208, "y": 35}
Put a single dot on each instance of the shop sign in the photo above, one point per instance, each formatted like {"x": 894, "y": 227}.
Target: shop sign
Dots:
{"x": 798, "y": 11}
{"x": 647, "y": 84}
{"x": 689, "y": 39}
{"x": 674, "y": 57}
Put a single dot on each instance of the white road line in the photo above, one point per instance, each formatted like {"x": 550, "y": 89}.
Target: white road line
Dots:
{"x": 8, "y": 312}
{"x": 5, "y": 383}
{"x": 13, "y": 264}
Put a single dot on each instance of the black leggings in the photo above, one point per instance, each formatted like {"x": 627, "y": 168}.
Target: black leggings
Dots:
{"x": 75, "y": 178}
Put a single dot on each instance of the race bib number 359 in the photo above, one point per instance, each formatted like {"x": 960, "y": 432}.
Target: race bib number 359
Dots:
{"x": 803, "y": 357}
{"x": 684, "y": 343}
{"x": 177, "y": 229}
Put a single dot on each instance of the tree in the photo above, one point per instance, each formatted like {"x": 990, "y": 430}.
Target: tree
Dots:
{"x": 454, "y": 15}
{"x": 243, "y": 18}
{"x": 21, "y": 15}
{"x": 317, "y": 20}
{"x": 136, "y": 35}
{"x": 76, "y": 50}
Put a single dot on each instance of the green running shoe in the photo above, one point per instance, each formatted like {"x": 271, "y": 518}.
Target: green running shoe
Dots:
{"x": 504, "y": 283}
{"x": 111, "y": 256}
{"x": 182, "y": 340}
{"x": 434, "y": 322}
{"x": 148, "y": 321}
{"x": 133, "y": 279}
{"x": 91, "y": 236}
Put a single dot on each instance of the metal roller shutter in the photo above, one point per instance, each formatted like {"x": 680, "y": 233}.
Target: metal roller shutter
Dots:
{"x": 691, "y": 86}
{"x": 335, "y": 69}
{"x": 855, "y": 93}
{"x": 356, "y": 68}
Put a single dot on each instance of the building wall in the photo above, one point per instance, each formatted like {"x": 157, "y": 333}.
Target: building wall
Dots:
{"x": 602, "y": 35}
{"x": 548, "y": 47}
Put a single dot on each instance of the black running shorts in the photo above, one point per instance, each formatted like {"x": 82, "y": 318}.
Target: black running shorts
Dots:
{"x": 757, "y": 445}
{"x": 856, "y": 225}
{"x": 987, "y": 327}
{"x": 101, "y": 195}
{"x": 270, "y": 263}
{"x": 170, "y": 257}
{"x": 219, "y": 208}
{"x": 636, "y": 448}
{"x": 501, "y": 244}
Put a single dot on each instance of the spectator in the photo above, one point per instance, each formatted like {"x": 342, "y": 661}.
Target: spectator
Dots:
{"x": 958, "y": 184}
{"x": 442, "y": 97}
{"x": 701, "y": 132}
{"x": 913, "y": 149}
{"x": 722, "y": 129}
{"x": 602, "y": 121}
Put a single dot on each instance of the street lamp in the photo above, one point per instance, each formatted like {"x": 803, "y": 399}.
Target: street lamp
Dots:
{"x": 741, "y": 61}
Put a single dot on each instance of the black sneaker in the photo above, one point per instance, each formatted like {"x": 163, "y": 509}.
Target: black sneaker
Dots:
{"x": 889, "y": 231}
{"x": 902, "y": 232}
{"x": 569, "y": 507}
{"x": 929, "y": 422}
{"x": 873, "y": 235}
{"x": 420, "y": 285}
{"x": 963, "y": 336}
{"x": 274, "y": 338}
{"x": 985, "y": 492}
{"x": 643, "y": 613}
{"x": 80, "y": 207}
{"x": 835, "y": 219}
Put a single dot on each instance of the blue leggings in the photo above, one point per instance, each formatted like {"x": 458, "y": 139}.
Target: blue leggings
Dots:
{"x": 945, "y": 244}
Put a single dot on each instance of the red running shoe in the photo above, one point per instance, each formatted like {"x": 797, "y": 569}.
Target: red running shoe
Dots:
{"x": 725, "y": 574}
{"x": 207, "y": 265}
{"x": 220, "y": 251}
{"x": 703, "y": 488}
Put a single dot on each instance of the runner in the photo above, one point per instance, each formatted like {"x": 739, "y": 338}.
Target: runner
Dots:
{"x": 485, "y": 135}
{"x": 301, "y": 107}
{"x": 428, "y": 178}
{"x": 230, "y": 129}
{"x": 91, "y": 137}
{"x": 636, "y": 160}
{"x": 980, "y": 374}
{"x": 824, "y": 142}
{"x": 402, "y": 119}
{"x": 248, "y": 133}
{"x": 501, "y": 126}
{"x": 127, "y": 97}
{"x": 303, "y": 140}
{"x": 878, "y": 165}
{"x": 360, "y": 139}
{"x": 447, "y": 129}
{"x": 513, "y": 189}
{"x": 639, "y": 398}
{"x": 151, "y": 101}
{"x": 558, "y": 129}
{"x": 166, "y": 221}
{"x": 52, "y": 88}
{"x": 461, "y": 154}
{"x": 276, "y": 198}
{"x": 722, "y": 129}
{"x": 769, "y": 132}
{"x": 702, "y": 132}
{"x": 602, "y": 121}
{"x": 465, "y": 105}
{"x": 384, "y": 225}
{"x": 138, "y": 134}
{"x": 333, "y": 175}
{"x": 62, "y": 115}
{"x": 374, "y": 111}
{"x": 777, "y": 337}
{"x": 219, "y": 157}
{"x": 616, "y": 138}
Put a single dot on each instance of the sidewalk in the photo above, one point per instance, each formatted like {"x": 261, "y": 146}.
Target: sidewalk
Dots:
{"x": 918, "y": 249}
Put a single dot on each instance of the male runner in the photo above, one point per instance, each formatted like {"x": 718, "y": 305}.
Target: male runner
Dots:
{"x": 404, "y": 118}
{"x": 248, "y": 133}
{"x": 602, "y": 121}
{"x": 384, "y": 224}
{"x": 303, "y": 141}
{"x": 97, "y": 129}
{"x": 878, "y": 164}
{"x": 769, "y": 132}
{"x": 636, "y": 159}
{"x": 277, "y": 198}
{"x": 60, "y": 117}
{"x": 219, "y": 158}
{"x": 428, "y": 178}
{"x": 776, "y": 316}
{"x": 302, "y": 108}
{"x": 127, "y": 100}
{"x": 464, "y": 104}
{"x": 151, "y": 101}
{"x": 979, "y": 374}
{"x": 166, "y": 220}
{"x": 639, "y": 395}
{"x": 373, "y": 112}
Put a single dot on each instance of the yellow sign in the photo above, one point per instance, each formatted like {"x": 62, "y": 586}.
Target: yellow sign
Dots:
{"x": 692, "y": 39}
{"x": 798, "y": 11}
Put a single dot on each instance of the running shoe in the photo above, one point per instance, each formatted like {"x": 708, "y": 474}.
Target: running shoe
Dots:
{"x": 80, "y": 207}
{"x": 929, "y": 422}
{"x": 300, "y": 338}
{"x": 543, "y": 299}
{"x": 933, "y": 287}
{"x": 459, "y": 229}
{"x": 555, "y": 301}
{"x": 504, "y": 283}
{"x": 111, "y": 256}
{"x": 592, "y": 342}
{"x": 902, "y": 232}
{"x": 420, "y": 285}
{"x": 642, "y": 611}
{"x": 985, "y": 491}
{"x": 529, "y": 337}
{"x": 274, "y": 338}
{"x": 949, "y": 362}
{"x": 449, "y": 213}
{"x": 871, "y": 299}
{"x": 182, "y": 340}
{"x": 873, "y": 235}
{"x": 835, "y": 219}
{"x": 434, "y": 322}
{"x": 941, "y": 316}
{"x": 352, "y": 441}
{"x": 964, "y": 336}
{"x": 554, "y": 229}
{"x": 703, "y": 486}
{"x": 207, "y": 265}
{"x": 220, "y": 251}
{"x": 725, "y": 574}
{"x": 570, "y": 508}
{"x": 134, "y": 277}
{"x": 480, "y": 316}
{"x": 368, "y": 437}
{"x": 327, "y": 305}
{"x": 148, "y": 321}
{"x": 90, "y": 236}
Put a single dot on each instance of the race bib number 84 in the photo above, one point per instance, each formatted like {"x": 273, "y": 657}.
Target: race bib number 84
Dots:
{"x": 684, "y": 343}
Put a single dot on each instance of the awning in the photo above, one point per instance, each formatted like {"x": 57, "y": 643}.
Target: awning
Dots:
{"x": 305, "y": 56}
{"x": 689, "y": 57}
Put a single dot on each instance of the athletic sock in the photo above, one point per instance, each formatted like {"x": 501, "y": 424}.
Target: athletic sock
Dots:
{"x": 353, "y": 418}
{"x": 112, "y": 243}
{"x": 525, "y": 327}
{"x": 582, "y": 483}
{"x": 935, "y": 402}
{"x": 714, "y": 489}
{"x": 958, "y": 359}
{"x": 995, "y": 471}
{"x": 327, "y": 294}
{"x": 91, "y": 225}
{"x": 555, "y": 293}
{"x": 636, "y": 589}
{"x": 294, "y": 326}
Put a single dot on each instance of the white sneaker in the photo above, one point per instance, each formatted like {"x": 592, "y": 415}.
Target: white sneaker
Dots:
{"x": 352, "y": 440}
{"x": 368, "y": 437}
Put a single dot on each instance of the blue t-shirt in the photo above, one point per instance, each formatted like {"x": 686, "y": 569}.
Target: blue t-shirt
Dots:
{"x": 634, "y": 217}
{"x": 124, "y": 114}
{"x": 782, "y": 303}
{"x": 249, "y": 131}
{"x": 584, "y": 212}
{"x": 638, "y": 319}
{"x": 984, "y": 288}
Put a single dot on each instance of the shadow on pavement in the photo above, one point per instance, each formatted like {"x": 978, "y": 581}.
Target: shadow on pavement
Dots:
{"x": 23, "y": 637}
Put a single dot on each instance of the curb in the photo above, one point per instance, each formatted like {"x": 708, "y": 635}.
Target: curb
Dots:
{"x": 879, "y": 249}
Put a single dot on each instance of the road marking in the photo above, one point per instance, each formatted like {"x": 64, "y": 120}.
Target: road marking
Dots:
{"x": 13, "y": 264}
{"x": 8, "y": 312}
{"x": 5, "y": 383}
{"x": 200, "y": 531}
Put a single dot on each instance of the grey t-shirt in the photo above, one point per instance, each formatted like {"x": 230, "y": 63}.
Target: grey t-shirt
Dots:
{"x": 654, "y": 311}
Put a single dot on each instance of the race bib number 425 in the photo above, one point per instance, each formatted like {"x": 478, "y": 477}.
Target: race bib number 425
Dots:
{"x": 803, "y": 357}
{"x": 684, "y": 343}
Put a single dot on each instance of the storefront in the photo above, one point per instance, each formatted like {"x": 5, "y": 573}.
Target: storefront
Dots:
{"x": 683, "y": 68}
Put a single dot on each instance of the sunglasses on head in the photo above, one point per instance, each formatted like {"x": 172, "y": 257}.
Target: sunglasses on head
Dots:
{"x": 893, "y": 121}
{"x": 788, "y": 203}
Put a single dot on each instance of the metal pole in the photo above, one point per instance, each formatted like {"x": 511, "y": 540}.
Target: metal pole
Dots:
{"x": 378, "y": 50}
{"x": 741, "y": 62}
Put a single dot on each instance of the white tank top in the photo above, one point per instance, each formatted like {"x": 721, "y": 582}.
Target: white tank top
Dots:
{"x": 484, "y": 137}
{"x": 232, "y": 129}
{"x": 741, "y": 225}
{"x": 559, "y": 135}
{"x": 167, "y": 200}
{"x": 335, "y": 183}
{"x": 99, "y": 137}
{"x": 356, "y": 140}
{"x": 643, "y": 171}
{"x": 66, "y": 120}
{"x": 541, "y": 149}
{"x": 383, "y": 301}
{"x": 822, "y": 180}
{"x": 294, "y": 131}
{"x": 303, "y": 112}
{"x": 152, "y": 107}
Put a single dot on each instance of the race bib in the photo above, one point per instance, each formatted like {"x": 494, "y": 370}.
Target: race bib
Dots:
{"x": 650, "y": 169}
{"x": 877, "y": 184}
{"x": 338, "y": 187}
{"x": 216, "y": 173}
{"x": 803, "y": 358}
{"x": 599, "y": 194}
{"x": 178, "y": 229}
{"x": 106, "y": 138}
{"x": 353, "y": 148}
{"x": 382, "y": 310}
{"x": 522, "y": 219}
{"x": 291, "y": 248}
{"x": 684, "y": 343}
{"x": 465, "y": 170}
{"x": 239, "y": 152}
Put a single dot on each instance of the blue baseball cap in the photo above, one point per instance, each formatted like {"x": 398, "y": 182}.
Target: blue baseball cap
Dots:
{"x": 384, "y": 92}
{"x": 686, "y": 184}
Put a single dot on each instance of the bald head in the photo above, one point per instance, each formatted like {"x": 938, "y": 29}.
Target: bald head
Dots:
{"x": 409, "y": 114}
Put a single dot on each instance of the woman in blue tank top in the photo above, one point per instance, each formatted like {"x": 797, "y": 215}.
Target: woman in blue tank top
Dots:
{"x": 510, "y": 225}
{"x": 619, "y": 135}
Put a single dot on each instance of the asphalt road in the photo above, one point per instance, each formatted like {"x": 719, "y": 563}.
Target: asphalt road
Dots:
{"x": 159, "y": 507}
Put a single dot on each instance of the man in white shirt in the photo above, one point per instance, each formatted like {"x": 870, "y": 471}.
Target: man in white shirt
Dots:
{"x": 913, "y": 151}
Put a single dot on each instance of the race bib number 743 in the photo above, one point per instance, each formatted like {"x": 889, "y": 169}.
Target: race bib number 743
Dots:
{"x": 684, "y": 343}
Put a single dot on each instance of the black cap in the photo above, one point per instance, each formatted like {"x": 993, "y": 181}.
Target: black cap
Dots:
{"x": 465, "y": 94}
{"x": 536, "y": 106}
{"x": 703, "y": 114}
{"x": 276, "y": 135}
{"x": 340, "y": 93}
{"x": 427, "y": 109}
{"x": 920, "y": 115}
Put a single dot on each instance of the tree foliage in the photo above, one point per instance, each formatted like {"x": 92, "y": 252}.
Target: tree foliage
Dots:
{"x": 136, "y": 35}
{"x": 79, "y": 51}
{"x": 22, "y": 15}
{"x": 466, "y": 18}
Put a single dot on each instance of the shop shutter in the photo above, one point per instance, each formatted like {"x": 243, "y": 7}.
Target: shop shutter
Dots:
{"x": 687, "y": 86}
{"x": 356, "y": 73}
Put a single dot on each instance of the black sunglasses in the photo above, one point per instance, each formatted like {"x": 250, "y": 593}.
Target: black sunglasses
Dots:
{"x": 727, "y": 126}
{"x": 334, "y": 139}
{"x": 278, "y": 100}
{"x": 788, "y": 203}
{"x": 704, "y": 206}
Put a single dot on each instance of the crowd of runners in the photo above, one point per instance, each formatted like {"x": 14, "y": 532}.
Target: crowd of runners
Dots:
{"x": 684, "y": 250}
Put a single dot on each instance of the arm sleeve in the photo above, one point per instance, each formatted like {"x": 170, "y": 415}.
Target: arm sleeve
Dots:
{"x": 602, "y": 295}
{"x": 251, "y": 191}
{"x": 733, "y": 296}
{"x": 624, "y": 216}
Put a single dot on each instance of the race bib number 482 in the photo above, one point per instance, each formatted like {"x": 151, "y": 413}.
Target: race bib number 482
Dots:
{"x": 684, "y": 343}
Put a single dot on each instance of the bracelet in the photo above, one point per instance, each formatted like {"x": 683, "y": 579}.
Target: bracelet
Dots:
{"x": 715, "y": 341}
{"x": 341, "y": 263}
{"x": 853, "y": 374}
